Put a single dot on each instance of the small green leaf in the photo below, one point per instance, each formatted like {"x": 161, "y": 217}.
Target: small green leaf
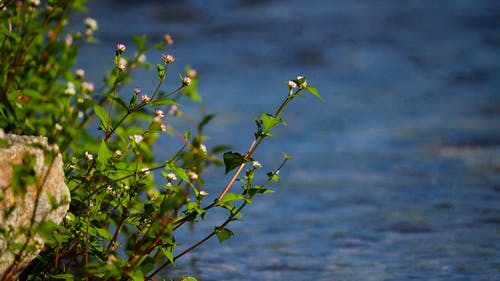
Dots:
{"x": 63, "y": 276}
{"x": 104, "y": 153}
{"x": 102, "y": 114}
{"x": 140, "y": 42}
{"x": 133, "y": 101}
{"x": 189, "y": 279}
{"x": 269, "y": 121}
{"x": 119, "y": 101}
{"x": 273, "y": 176}
{"x": 45, "y": 229}
{"x": 136, "y": 275}
{"x": 230, "y": 197}
{"x": 187, "y": 134}
{"x": 168, "y": 252}
{"x": 315, "y": 92}
{"x": 232, "y": 160}
{"x": 104, "y": 233}
{"x": 287, "y": 157}
{"x": 161, "y": 71}
{"x": 223, "y": 234}
{"x": 205, "y": 121}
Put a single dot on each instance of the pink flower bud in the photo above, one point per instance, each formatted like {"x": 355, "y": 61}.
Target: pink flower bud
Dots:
{"x": 120, "y": 48}
{"x": 167, "y": 59}
{"x": 186, "y": 81}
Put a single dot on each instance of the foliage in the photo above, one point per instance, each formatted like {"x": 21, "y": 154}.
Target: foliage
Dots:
{"x": 126, "y": 204}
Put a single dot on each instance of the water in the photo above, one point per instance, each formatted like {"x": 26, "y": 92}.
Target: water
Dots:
{"x": 397, "y": 174}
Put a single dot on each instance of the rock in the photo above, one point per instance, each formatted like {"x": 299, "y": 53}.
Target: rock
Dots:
{"x": 29, "y": 194}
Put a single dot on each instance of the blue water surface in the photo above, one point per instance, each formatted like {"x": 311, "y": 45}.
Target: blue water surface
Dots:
{"x": 396, "y": 175}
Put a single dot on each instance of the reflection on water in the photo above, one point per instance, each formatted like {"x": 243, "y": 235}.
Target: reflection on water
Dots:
{"x": 397, "y": 175}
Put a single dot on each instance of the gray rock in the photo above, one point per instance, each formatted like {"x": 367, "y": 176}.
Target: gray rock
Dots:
{"x": 23, "y": 207}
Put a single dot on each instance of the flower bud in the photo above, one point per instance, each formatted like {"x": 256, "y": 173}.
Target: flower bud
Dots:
{"x": 186, "y": 81}
{"x": 167, "y": 59}
{"x": 168, "y": 39}
{"x": 120, "y": 48}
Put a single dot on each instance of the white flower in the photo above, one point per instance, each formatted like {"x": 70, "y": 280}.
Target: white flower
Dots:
{"x": 163, "y": 127}
{"x": 192, "y": 175}
{"x": 174, "y": 110}
{"x": 302, "y": 82}
{"x": 171, "y": 177}
{"x": 89, "y": 156}
{"x": 58, "y": 127}
{"x": 203, "y": 193}
{"x": 145, "y": 98}
{"x": 146, "y": 171}
{"x": 121, "y": 66}
{"x": 70, "y": 89}
{"x": 91, "y": 24}
{"x": 141, "y": 58}
{"x": 35, "y": 2}
{"x": 68, "y": 40}
{"x": 137, "y": 138}
{"x": 88, "y": 87}
{"x": 292, "y": 85}
{"x": 137, "y": 90}
{"x": 256, "y": 165}
{"x": 159, "y": 113}
{"x": 203, "y": 148}
{"x": 79, "y": 73}
{"x": 118, "y": 153}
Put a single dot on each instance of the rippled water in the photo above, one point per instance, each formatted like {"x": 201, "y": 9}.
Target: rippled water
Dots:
{"x": 397, "y": 174}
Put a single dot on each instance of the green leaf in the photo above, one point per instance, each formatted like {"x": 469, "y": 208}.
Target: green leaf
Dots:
{"x": 230, "y": 197}
{"x": 223, "y": 234}
{"x": 189, "y": 279}
{"x": 205, "y": 121}
{"x": 161, "y": 71}
{"x": 315, "y": 92}
{"x": 254, "y": 190}
{"x": 233, "y": 160}
{"x": 287, "y": 157}
{"x": 136, "y": 275}
{"x": 64, "y": 276}
{"x": 269, "y": 121}
{"x": 273, "y": 176}
{"x": 104, "y": 233}
{"x": 168, "y": 252}
{"x": 119, "y": 101}
{"x": 133, "y": 101}
{"x": 187, "y": 134}
{"x": 102, "y": 114}
{"x": 104, "y": 153}
{"x": 140, "y": 42}
{"x": 45, "y": 229}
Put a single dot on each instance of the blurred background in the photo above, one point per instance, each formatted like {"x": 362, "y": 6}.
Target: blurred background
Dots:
{"x": 396, "y": 175}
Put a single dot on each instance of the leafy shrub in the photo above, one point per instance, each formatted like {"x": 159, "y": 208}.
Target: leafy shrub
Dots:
{"x": 126, "y": 204}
